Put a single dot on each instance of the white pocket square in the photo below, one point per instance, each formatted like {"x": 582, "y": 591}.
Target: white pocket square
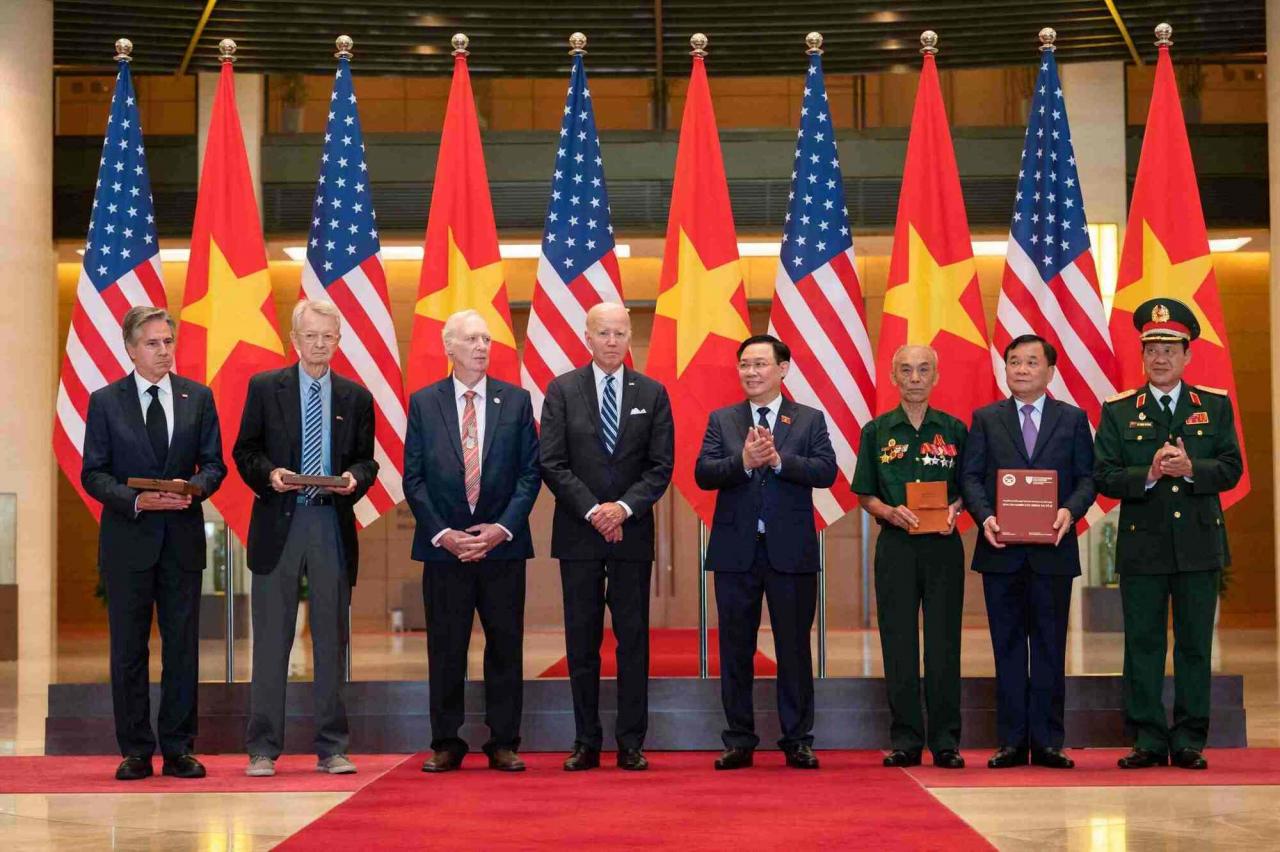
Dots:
{"x": 639, "y": 411}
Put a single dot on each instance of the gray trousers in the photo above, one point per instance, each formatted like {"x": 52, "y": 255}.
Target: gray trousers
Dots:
{"x": 313, "y": 548}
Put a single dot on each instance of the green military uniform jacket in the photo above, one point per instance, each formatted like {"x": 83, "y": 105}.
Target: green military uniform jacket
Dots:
{"x": 1176, "y": 525}
{"x": 892, "y": 453}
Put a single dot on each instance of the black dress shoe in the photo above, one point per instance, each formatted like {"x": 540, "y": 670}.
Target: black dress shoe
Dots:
{"x": 735, "y": 757}
{"x": 1007, "y": 757}
{"x": 1189, "y": 758}
{"x": 583, "y": 758}
{"x": 632, "y": 759}
{"x": 134, "y": 769}
{"x": 948, "y": 758}
{"x": 901, "y": 758}
{"x": 1140, "y": 758}
{"x": 1053, "y": 758}
{"x": 443, "y": 761}
{"x": 183, "y": 766}
{"x": 802, "y": 757}
{"x": 505, "y": 760}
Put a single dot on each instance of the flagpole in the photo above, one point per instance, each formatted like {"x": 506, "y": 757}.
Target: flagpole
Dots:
{"x": 822, "y": 603}
{"x": 865, "y": 548}
{"x": 702, "y": 599}
{"x": 227, "y": 56}
{"x": 343, "y": 45}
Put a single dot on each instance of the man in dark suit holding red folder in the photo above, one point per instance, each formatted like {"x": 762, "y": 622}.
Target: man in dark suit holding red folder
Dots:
{"x": 1028, "y": 586}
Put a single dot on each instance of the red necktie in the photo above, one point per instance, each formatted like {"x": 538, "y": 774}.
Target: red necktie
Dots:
{"x": 471, "y": 448}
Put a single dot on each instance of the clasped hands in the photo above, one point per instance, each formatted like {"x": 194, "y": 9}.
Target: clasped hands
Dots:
{"x": 474, "y": 543}
{"x": 758, "y": 450}
{"x": 1170, "y": 460}
{"x": 278, "y": 483}
{"x": 162, "y": 501}
{"x": 607, "y": 519}
{"x": 1062, "y": 523}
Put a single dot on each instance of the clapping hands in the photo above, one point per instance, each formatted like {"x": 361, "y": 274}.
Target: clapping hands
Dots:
{"x": 758, "y": 450}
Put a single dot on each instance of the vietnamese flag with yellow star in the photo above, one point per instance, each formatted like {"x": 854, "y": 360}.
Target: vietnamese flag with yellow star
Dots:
{"x": 227, "y": 329}
{"x": 1166, "y": 253}
{"x": 932, "y": 294}
{"x": 461, "y": 267}
{"x": 701, "y": 314}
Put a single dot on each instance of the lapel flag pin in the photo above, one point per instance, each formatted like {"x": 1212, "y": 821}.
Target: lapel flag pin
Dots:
{"x": 785, "y": 419}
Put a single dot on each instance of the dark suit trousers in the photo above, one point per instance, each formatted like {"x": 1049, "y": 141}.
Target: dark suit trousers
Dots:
{"x": 1027, "y": 615}
{"x": 624, "y": 585}
{"x": 792, "y": 603}
{"x": 174, "y": 592}
{"x": 1146, "y": 599}
{"x": 452, "y": 593}
{"x": 314, "y": 548}
{"x": 913, "y": 573}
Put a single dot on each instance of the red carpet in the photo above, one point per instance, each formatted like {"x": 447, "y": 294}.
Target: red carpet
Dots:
{"x": 681, "y": 802}
{"x": 295, "y": 773}
{"x": 1097, "y": 768}
{"x": 672, "y": 653}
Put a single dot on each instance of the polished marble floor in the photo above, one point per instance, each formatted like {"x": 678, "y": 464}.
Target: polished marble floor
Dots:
{"x": 1096, "y": 819}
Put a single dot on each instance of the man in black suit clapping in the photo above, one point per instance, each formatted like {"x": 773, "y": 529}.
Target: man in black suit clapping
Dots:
{"x": 764, "y": 456}
{"x": 608, "y": 445}
{"x": 152, "y": 424}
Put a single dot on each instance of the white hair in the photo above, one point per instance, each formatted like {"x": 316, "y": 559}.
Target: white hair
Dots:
{"x": 323, "y": 307}
{"x": 897, "y": 354}
{"x": 455, "y": 321}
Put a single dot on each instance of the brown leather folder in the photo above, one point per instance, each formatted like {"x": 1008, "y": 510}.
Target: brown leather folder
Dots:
{"x": 1027, "y": 506}
{"x": 144, "y": 484}
{"x": 928, "y": 502}
{"x": 314, "y": 481}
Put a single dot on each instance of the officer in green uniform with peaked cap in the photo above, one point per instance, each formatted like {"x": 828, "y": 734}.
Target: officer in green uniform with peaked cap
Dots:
{"x": 915, "y": 442}
{"x": 1166, "y": 450}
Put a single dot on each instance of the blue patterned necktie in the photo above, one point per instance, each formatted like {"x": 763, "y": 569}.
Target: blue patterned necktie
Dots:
{"x": 762, "y": 472}
{"x": 609, "y": 416}
{"x": 312, "y": 443}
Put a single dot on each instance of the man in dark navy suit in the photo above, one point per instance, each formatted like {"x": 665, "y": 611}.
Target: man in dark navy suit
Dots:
{"x": 471, "y": 476}
{"x": 1028, "y": 586}
{"x": 765, "y": 456}
{"x": 154, "y": 425}
{"x": 608, "y": 446}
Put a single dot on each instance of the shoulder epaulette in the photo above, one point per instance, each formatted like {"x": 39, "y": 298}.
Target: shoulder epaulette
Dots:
{"x": 1124, "y": 395}
{"x": 1218, "y": 391}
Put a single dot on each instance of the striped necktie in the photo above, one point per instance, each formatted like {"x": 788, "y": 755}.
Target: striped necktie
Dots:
{"x": 609, "y": 416}
{"x": 470, "y": 450}
{"x": 312, "y": 439}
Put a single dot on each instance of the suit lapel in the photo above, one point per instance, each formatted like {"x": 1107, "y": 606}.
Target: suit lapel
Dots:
{"x": 587, "y": 387}
{"x": 492, "y": 416}
{"x": 182, "y": 412}
{"x": 338, "y": 425}
{"x": 1048, "y": 422}
{"x": 1013, "y": 423}
{"x": 449, "y": 415}
{"x": 289, "y": 401}
{"x": 786, "y": 413}
{"x": 132, "y": 406}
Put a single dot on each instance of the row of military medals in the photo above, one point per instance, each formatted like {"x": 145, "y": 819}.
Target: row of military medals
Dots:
{"x": 937, "y": 453}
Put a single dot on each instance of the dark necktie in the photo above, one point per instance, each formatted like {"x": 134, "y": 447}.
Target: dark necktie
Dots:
{"x": 1166, "y": 405}
{"x": 609, "y": 416}
{"x": 157, "y": 426}
{"x": 313, "y": 438}
{"x": 761, "y": 472}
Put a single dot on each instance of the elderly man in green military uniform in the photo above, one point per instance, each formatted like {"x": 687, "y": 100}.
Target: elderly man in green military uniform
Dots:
{"x": 916, "y": 443}
{"x": 1167, "y": 450}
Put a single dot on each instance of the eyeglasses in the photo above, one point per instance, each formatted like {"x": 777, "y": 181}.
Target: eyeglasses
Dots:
{"x": 311, "y": 337}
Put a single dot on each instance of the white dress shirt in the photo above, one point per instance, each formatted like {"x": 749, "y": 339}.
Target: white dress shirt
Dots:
{"x": 617, "y": 390}
{"x": 460, "y": 397}
{"x": 165, "y": 396}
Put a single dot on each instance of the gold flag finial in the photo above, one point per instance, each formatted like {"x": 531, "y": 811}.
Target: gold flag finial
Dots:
{"x": 460, "y": 42}
{"x": 928, "y": 42}
{"x": 1164, "y": 35}
{"x": 698, "y": 42}
{"x": 343, "y": 43}
{"x": 124, "y": 50}
{"x": 227, "y": 51}
{"x": 1048, "y": 36}
{"x": 577, "y": 44}
{"x": 813, "y": 41}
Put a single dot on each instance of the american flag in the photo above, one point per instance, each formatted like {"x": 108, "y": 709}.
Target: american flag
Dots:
{"x": 344, "y": 265}
{"x": 817, "y": 305}
{"x": 577, "y": 267}
{"x": 1050, "y": 285}
{"x": 121, "y": 270}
